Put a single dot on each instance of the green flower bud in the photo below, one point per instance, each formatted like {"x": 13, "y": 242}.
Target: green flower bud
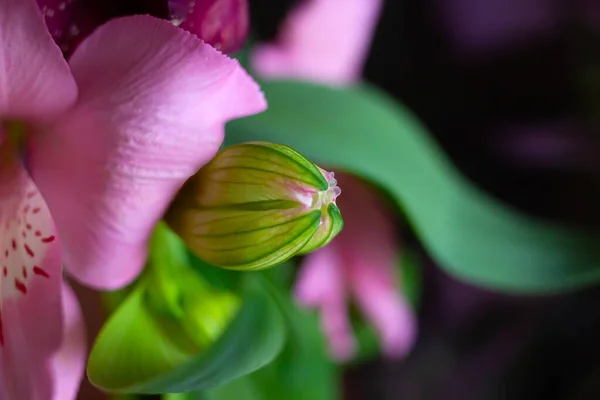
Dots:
{"x": 256, "y": 205}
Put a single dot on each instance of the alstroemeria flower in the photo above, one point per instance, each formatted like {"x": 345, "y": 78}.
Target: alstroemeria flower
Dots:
{"x": 326, "y": 42}
{"x": 108, "y": 139}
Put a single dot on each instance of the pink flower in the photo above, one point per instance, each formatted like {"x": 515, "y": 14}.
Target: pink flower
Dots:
{"x": 326, "y": 41}
{"x": 321, "y": 40}
{"x": 109, "y": 137}
{"x": 361, "y": 261}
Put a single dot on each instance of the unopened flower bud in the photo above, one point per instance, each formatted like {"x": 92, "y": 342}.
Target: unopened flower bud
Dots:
{"x": 256, "y": 205}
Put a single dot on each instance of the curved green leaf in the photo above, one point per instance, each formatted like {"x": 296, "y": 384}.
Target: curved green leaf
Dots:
{"x": 472, "y": 235}
{"x": 136, "y": 352}
{"x": 302, "y": 371}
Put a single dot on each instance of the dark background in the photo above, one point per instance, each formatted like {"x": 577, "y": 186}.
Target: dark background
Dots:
{"x": 519, "y": 116}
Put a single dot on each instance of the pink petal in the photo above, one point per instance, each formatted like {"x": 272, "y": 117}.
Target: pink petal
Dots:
{"x": 321, "y": 40}
{"x": 36, "y": 80}
{"x": 221, "y": 23}
{"x": 70, "y": 21}
{"x": 321, "y": 284}
{"x": 378, "y": 297}
{"x": 368, "y": 244}
{"x": 30, "y": 288}
{"x": 69, "y": 363}
{"x": 152, "y": 107}
{"x": 318, "y": 278}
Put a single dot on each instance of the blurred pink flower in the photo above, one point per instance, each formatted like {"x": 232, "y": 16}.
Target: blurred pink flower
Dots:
{"x": 327, "y": 41}
{"x": 109, "y": 138}
{"x": 321, "y": 40}
{"x": 361, "y": 261}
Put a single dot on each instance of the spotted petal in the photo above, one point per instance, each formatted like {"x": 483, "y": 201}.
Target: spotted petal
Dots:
{"x": 152, "y": 107}
{"x": 30, "y": 289}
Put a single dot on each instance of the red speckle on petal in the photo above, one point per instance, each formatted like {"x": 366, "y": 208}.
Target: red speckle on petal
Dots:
{"x": 28, "y": 226}
{"x": 36, "y": 210}
{"x": 24, "y": 272}
{"x": 31, "y": 194}
{"x": 29, "y": 251}
{"x": 38, "y": 271}
{"x": 20, "y": 286}
{"x": 14, "y": 244}
{"x": 48, "y": 239}
{"x": 38, "y": 233}
{"x": 5, "y": 271}
{"x": 6, "y": 253}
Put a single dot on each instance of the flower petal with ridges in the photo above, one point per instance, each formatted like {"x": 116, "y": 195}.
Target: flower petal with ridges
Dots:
{"x": 152, "y": 106}
{"x": 36, "y": 83}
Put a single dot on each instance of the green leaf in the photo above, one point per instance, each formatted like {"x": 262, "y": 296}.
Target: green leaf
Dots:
{"x": 410, "y": 279}
{"x": 472, "y": 235}
{"x": 244, "y": 388}
{"x": 302, "y": 371}
{"x": 132, "y": 347}
{"x": 136, "y": 352}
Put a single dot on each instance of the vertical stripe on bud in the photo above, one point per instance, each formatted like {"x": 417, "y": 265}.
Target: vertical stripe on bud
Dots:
{"x": 256, "y": 205}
